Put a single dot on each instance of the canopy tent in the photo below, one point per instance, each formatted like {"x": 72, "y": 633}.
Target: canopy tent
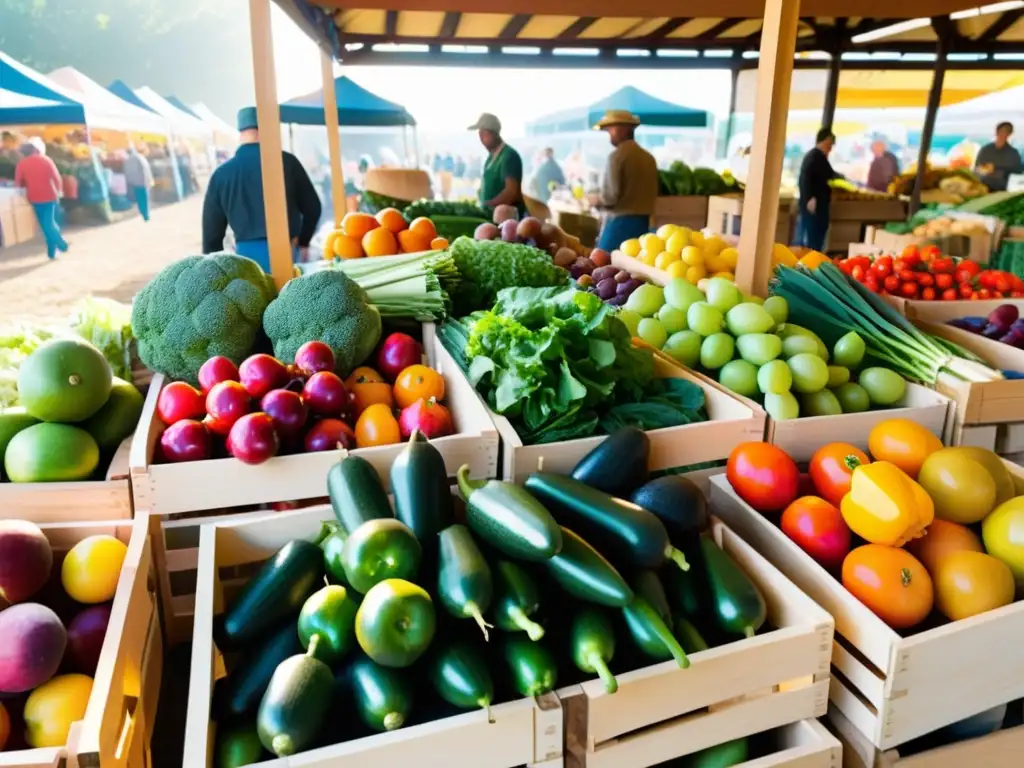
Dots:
{"x": 651, "y": 110}
{"x": 120, "y": 88}
{"x": 357, "y": 107}
{"x": 224, "y": 135}
{"x": 174, "y": 101}
{"x": 182, "y": 123}
{"x": 28, "y": 97}
{"x": 104, "y": 109}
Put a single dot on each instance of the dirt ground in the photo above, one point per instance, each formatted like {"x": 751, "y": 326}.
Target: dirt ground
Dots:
{"x": 113, "y": 261}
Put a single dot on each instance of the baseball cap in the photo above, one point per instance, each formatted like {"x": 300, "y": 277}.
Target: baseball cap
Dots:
{"x": 487, "y": 122}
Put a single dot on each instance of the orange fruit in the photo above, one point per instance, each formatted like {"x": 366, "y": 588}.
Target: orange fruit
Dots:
{"x": 377, "y": 426}
{"x": 380, "y": 242}
{"x": 346, "y": 247}
{"x": 392, "y": 218}
{"x": 358, "y": 224}
{"x": 412, "y": 242}
{"x": 424, "y": 226}
{"x": 438, "y": 244}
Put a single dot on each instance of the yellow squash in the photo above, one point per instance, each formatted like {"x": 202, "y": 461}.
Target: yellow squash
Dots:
{"x": 886, "y": 506}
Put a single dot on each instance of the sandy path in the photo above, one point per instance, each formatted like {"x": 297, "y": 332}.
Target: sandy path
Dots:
{"x": 114, "y": 261}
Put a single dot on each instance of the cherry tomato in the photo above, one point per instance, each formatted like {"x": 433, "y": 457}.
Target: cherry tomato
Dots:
{"x": 831, "y": 469}
{"x": 984, "y": 293}
{"x": 368, "y": 387}
{"x": 909, "y": 290}
{"x": 949, "y": 294}
{"x": 845, "y": 266}
{"x": 899, "y": 265}
{"x": 924, "y": 279}
{"x": 891, "y": 582}
{"x": 965, "y": 290}
{"x": 763, "y": 475}
{"x": 928, "y": 294}
{"x": 970, "y": 267}
{"x": 943, "y": 266}
{"x": 871, "y": 283}
{"x": 908, "y": 275}
{"x": 912, "y": 259}
{"x": 943, "y": 281}
{"x": 818, "y": 529}
{"x": 857, "y": 273}
{"x": 892, "y": 283}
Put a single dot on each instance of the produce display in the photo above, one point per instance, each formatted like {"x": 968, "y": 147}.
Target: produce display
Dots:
{"x": 374, "y": 202}
{"x": 1003, "y": 323}
{"x": 52, "y": 628}
{"x": 387, "y": 233}
{"x": 920, "y": 534}
{"x": 682, "y": 252}
{"x": 845, "y": 191}
{"x": 957, "y": 183}
{"x": 561, "y": 365}
{"x": 265, "y": 407}
{"x": 1008, "y": 206}
{"x": 944, "y": 226}
{"x": 680, "y": 180}
{"x": 452, "y": 218}
{"x": 423, "y": 616}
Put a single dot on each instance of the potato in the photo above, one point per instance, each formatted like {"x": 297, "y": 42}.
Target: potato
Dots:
{"x": 505, "y": 213}
{"x": 529, "y": 228}
{"x": 486, "y": 231}
{"x": 564, "y": 257}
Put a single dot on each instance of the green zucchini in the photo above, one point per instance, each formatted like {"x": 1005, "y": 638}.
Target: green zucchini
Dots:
{"x": 464, "y": 583}
{"x": 584, "y": 573}
{"x": 419, "y": 483}
{"x": 592, "y": 639}
{"x": 356, "y": 492}
{"x": 689, "y": 636}
{"x": 515, "y": 600}
{"x": 378, "y": 550}
{"x": 724, "y": 755}
{"x": 509, "y": 519}
{"x": 646, "y": 584}
{"x": 739, "y": 606}
{"x": 651, "y": 634}
{"x": 240, "y": 692}
{"x": 383, "y": 697}
{"x": 683, "y": 590}
{"x": 619, "y": 463}
{"x": 451, "y": 227}
{"x": 295, "y": 704}
{"x": 628, "y": 532}
{"x": 274, "y": 594}
{"x": 333, "y": 546}
{"x": 238, "y": 744}
{"x": 329, "y": 615}
{"x": 532, "y": 666}
{"x": 460, "y": 676}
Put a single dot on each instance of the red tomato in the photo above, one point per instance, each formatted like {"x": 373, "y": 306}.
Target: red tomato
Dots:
{"x": 871, "y": 283}
{"x": 949, "y": 294}
{"x": 928, "y": 294}
{"x": 943, "y": 266}
{"x": 818, "y": 529}
{"x": 831, "y": 469}
{"x": 909, "y": 290}
{"x": 857, "y": 273}
{"x": 892, "y": 283}
{"x": 763, "y": 475}
{"x": 966, "y": 291}
{"x": 970, "y": 267}
{"x": 943, "y": 281}
{"x": 984, "y": 293}
{"x": 923, "y": 278}
{"x": 908, "y": 275}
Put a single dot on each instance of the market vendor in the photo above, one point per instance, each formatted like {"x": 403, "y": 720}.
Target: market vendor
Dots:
{"x": 235, "y": 198}
{"x": 815, "y": 193}
{"x": 502, "y": 182}
{"x": 629, "y": 188}
{"x": 996, "y": 161}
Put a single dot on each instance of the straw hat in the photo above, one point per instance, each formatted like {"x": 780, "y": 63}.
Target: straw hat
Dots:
{"x": 616, "y": 117}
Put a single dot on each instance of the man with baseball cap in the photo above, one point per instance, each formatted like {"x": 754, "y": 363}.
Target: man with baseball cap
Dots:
{"x": 502, "y": 182}
{"x": 630, "y": 184}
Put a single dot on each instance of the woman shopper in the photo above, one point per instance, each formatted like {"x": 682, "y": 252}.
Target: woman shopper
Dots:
{"x": 39, "y": 176}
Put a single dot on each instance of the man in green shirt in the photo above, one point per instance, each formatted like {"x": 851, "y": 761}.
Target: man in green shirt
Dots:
{"x": 502, "y": 182}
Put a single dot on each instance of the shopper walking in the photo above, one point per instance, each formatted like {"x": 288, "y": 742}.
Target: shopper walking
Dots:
{"x": 41, "y": 180}
{"x": 502, "y": 180}
{"x": 815, "y": 193}
{"x": 630, "y": 184}
{"x": 997, "y": 160}
{"x": 139, "y": 176}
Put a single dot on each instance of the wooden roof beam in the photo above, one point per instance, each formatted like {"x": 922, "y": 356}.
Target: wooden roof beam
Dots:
{"x": 1000, "y": 25}
{"x": 514, "y": 26}
{"x": 391, "y": 25}
{"x": 450, "y": 25}
{"x": 667, "y": 28}
{"x": 577, "y": 28}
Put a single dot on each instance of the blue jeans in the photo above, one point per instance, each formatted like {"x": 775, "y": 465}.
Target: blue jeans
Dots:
{"x": 258, "y": 251}
{"x": 620, "y": 228}
{"x": 142, "y": 200}
{"x": 46, "y": 214}
{"x": 811, "y": 230}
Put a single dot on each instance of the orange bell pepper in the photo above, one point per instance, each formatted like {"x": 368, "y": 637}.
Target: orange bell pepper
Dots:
{"x": 886, "y": 506}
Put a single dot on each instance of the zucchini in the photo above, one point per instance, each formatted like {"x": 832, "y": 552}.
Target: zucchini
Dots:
{"x": 295, "y": 704}
{"x": 378, "y": 550}
{"x": 240, "y": 692}
{"x": 515, "y": 600}
{"x": 383, "y": 697}
{"x": 464, "y": 583}
{"x": 532, "y": 666}
{"x": 684, "y": 591}
{"x": 356, "y": 492}
{"x": 725, "y": 755}
{"x": 461, "y": 677}
{"x": 451, "y": 227}
{"x": 738, "y": 604}
{"x": 689, "y": 636}
{"x": 647, "y": 585}
{"x": 592, "y": 639}
{"x": 333, "y": 546}
{"x": 681, "y": 507}
{"x": 419, "y": 483}
{"x": 238, "y": 744}
{"x": 630, "y": 533}
{"x": 651, "y": 634}
{"x": 586, "y": 575}
{"x": 328, "y": 616}
{"x": 619, "y": 463}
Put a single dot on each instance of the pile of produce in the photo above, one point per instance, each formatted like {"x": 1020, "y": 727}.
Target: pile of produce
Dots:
{"x": 900, "y": 527}
{"x": 679, "y": 180}
{"x": 596, "y": 274}
{"x": 945, "y": 226}
{"x": 264, "y": 407}
{"x": 425, "y": 617}
{"x": 1008, "y": 206}
{"x": 547, "y": 236}
{"x": 53, "y": 623}
{"x": 1003, "y": 323}
{"x": 844, "y": 191}
{"x": 374, "y": 202}
{"x": 361, "y": 235}
{"x": 1010, "y": 258}
{"x": 682, "y": 252}
{"x": 74, "y": 414}
{"x": 561, "y": 365}
{"x": 957, "y": 183}
{"x": 925, "y": 274}
{"x": 452, "y": 218}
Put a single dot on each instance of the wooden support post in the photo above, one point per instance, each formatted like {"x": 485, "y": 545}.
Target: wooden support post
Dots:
{"x": 268, "y": 114}
{"x": 771, "y": 110}
{"x": 932, "y": 111}
{"x": 333, "y": 138}
{"x": 828, "y": 112}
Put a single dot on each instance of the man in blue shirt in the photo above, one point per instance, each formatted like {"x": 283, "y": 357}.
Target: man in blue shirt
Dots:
{"x": 235, "y": 198}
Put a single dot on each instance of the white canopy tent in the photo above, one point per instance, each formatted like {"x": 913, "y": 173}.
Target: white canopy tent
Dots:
{"x": 224, "y": 135}
{"x": 183, "y": 125}
{"x": 104, "y": 109}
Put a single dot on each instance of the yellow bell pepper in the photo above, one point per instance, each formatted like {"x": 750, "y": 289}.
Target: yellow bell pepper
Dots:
{"x": 885, "y": 505}
{"x": 813, "y": 259}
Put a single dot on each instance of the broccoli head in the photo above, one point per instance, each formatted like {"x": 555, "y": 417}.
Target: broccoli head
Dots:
{"x": 323, "y": 306}
{"x": 199, "y": 307}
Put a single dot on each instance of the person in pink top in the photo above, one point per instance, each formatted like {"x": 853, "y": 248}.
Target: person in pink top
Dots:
{"x": 39, "y": 176}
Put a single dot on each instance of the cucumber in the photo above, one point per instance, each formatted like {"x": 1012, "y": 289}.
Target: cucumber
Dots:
{"x": 592, "y": 639}
{"x": 333, "y": 546}
{"x": 515, "y": 600}
{"x": 585, "y": 574}
{"x": 382, "y": 696}
{"x": 721, "y": 755}
{"x": 460, "y": 676}
{"x": 378, "y": 550}
{"x": 464, "y": 583}
{"x": 618, "y": 465}
{"x": 738, "y": 605}
{"x": 647, "y": 585}
{"x": 683, "y": 590}
{"x": 295, "y": 704}
{"x": 651, "y": 634}
{"x": 628, "y": 532}
{"x": 329, "y": 616}
{"x": 238, "y": 744}
{"x": 356, "y": 492}
{"x": 274, "y": 594}
{"x": 532, "y": 666}
{"x": 419, "y": 483}
{"x": 509, "y": 519}
{"x": 689, "y": 636}
{"x": 240, "y": 692}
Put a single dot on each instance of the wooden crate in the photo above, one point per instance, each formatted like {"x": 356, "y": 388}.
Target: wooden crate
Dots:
{"x": 118, "y": 722}
{"x": 888, "y": 242}
{"x": 220, "y": 483}
{"x": 730, "y": 422}
{"x": 894, "y": 688}
{"x": 110, "y": 498}
{"x": 637, "y": 268}
{"x": 806, "y": 744}
{"x": 527, "y": 731}
{"x": 689, "y": 211}
{"x": 725, "y": 213}
{"x": 1002, "y": 749}
{"x": 868, "y": 211}
{"x": 745, "y": 687}
{"x": 841, "y": 234}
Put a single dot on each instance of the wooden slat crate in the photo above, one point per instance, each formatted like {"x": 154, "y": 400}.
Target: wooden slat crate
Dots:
{"x": 725, "y": 213}
{"x": 905, "y": 686}
{"x": 689, "y": 211}
{"x": 118, "y": 722}
{"x": 806, "y": 744}
{"x": 527, "y": 731}
{"x": 868, "y": 211}
{"x": 745, "y": 687}
{"x": 110, "y": 498}
{"x": 638, "y": 268}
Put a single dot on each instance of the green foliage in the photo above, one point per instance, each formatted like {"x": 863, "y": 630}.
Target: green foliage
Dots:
{"x": 488, "y": 266}
{"x": 676, "y": 181}
{"x": 431, "y": 208}
{"x": 198, "y": 307}
{"x": 708, "y": 182}
{"x": 323, "y": 306}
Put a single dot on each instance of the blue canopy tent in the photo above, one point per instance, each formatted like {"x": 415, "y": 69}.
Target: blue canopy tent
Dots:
{"x": 356, "y": 107}
{"x": 121, "y": 88}
{"x": 651, "y": 110}
{"x": 175, "y": 101}
{"x": 29, "y": 98}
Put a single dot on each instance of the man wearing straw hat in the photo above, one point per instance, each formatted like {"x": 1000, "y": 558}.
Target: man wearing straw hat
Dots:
{"x": 630, "y": 185}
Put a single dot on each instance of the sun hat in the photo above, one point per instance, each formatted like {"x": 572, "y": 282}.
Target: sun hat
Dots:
{"x": 486, "y": 122}
{"x": 616, "y": 117}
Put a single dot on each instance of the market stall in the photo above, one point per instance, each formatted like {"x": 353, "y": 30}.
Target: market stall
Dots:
{"x": 225, "y": 137}
{"x": 191, "y": 137}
